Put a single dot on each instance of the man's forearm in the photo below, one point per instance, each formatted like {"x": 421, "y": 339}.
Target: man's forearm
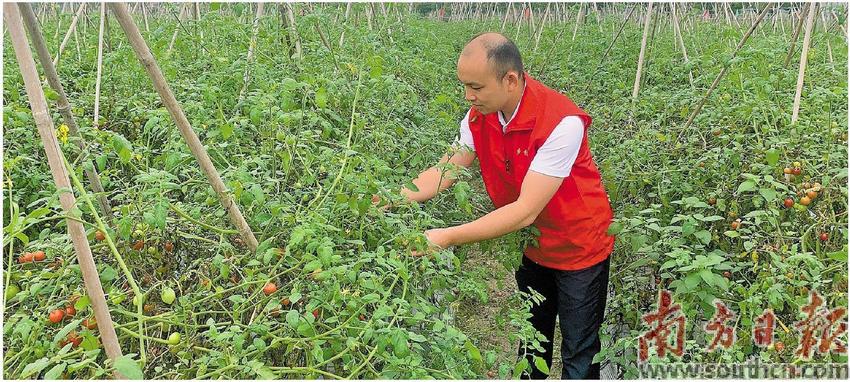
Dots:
{"x": 428, "y": 183}
{"x": 509, "y": 218}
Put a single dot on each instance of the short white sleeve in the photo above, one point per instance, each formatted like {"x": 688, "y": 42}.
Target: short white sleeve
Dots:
{"x": 465, "y": 137}
{"x": 559, "y": 152}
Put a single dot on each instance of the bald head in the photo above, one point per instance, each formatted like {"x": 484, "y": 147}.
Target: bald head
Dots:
{"x": 497, "y": 50}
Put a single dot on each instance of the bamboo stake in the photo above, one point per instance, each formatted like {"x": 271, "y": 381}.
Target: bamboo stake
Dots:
{"x": 71, "y": 30}
{"x": 781, "y": 24}
{"x": 793, "y": 46}
{"x": 580, "y": 19}
{"x": 99, "y": 66}
{"x": 147, "y": 60}
{"x": 176, "y": 29}
{"x": 734, "y": 18}
{"x": 804, "y": 57}
{"x": 255, "y": 30}
{"x": 678, "y": 36}
{"x": 345, "y": 24}
{"x": 368, "y": 16}
{"x": 58, "y": 27}
{"x": 507, "y": 14}
{"x": 722, "y": 72}
{"x": 64, "y": 106}
{"x": 326, "y": 44}
{"x": 842, "y": 28}
{"x": 77, "y": 44}
{"x": 293, "y": 30}
{"x": 540, "y": 27}
{"x": 646, "y": 24}
{"x": 41, "y": 115}
{"x": 611, "y": 45}
{"x": 145, "y": 18}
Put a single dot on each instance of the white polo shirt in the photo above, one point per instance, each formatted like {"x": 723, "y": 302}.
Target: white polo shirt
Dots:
{"x": 557, "y": 154}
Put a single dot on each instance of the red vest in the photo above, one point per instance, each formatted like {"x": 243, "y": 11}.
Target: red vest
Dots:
{"x": 574, "y": 225}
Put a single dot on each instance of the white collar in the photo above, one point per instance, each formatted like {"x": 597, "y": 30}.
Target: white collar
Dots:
{"x": 502, "y": 117}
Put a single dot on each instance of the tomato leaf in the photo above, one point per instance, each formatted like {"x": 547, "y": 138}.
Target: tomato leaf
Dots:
{"x": 128, "y": 367}
{"x": 34, "y": 368}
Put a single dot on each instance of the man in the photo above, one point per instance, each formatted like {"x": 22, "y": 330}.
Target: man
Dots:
{"x": 532, "y": 147}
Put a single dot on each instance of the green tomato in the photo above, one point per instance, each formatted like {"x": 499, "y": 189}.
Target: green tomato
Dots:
{"x": 174, "y": 338}
{"x": 167, "y": 295}
{"x": 12, "y": 291}
{"x": 152, "y": 251}
{"x": 118, "y": 297}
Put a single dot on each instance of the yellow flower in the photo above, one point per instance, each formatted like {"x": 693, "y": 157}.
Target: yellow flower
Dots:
{"x": 62, "y": 133}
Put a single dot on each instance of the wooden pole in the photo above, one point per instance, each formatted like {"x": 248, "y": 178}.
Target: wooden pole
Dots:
{"x": 293, "y": 30}
{"x": 77, "y": 44}
{"x": 147, "y": 60}
{"x": 345, "y": 24}
{"x": 580, "y": 19}
{"x": 646, "y": 24}
{"x": 723, "y": 71}
{"x": 71, "y": 30}
{"x": 176, "y": 28}
{"x": 794, "y": 37}
{"x": 507, "y": 14}
{"x": 804, "y": 57}
{"x": 540, "y": 27}
{"x": 64, "y": 106}
{"x": 611, "y": 45}
{"x": 255, "y": 30}
{"x": 44, "y": 122}
{"x": 145, "y": 18}
{"x": 99, "y": 65}
{"x": 678, "y": 35}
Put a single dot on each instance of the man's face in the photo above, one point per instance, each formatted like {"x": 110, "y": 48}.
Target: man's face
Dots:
{"x": 482, "y": 88}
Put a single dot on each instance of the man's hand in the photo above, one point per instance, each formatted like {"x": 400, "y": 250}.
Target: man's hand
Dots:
{"x": 438, "y": 240}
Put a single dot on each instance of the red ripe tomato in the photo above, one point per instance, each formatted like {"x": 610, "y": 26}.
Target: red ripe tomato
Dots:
{"x": 824, "y": 236}
{"x": 72, "y": 338}
{"x": 169, "y": 246}
{"x": 315, "y": 313}
{"x": 70, "y": 311}
{"x": 727, "y": 274}
{"x": 138, "y": 245}
{"x": 25, "y": 258}
{"x": 39, "y": 256}
{"x": 811, "y": 194}
{"x": 789, "y": 203}
{"x": 100, "y": 236}
{"x": 796, "y": 171}
{"x": 90, "y": 323}
{"x": 56, "y": 316}
{"x": 269, "y": 288}
{"x": 735, "y": 225}
{"x": 285, "y": 301}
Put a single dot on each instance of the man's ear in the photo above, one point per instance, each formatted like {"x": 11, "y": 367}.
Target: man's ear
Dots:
{"x": 512, "y": 78}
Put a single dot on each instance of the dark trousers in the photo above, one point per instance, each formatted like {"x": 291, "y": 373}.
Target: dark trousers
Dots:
{"x": 578, "y": 298}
